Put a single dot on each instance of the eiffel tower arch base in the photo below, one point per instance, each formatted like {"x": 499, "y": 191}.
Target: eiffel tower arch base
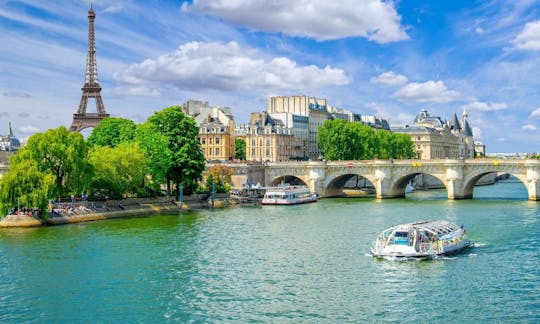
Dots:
{"x": 87, "y": 120}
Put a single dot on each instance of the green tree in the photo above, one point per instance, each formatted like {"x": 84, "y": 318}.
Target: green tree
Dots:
{"x": 404, "y": 146}
{"x": 342, "y": 140}
{"x": 394, "y": 145}
{"x": 117, "y": 170}
{"x": 159, "y": 156}
{"x": 240, "y": 149}
{"x": 187, "y": 159}
{"x": 111, "y": 132}
{"x": 62, "y": 154}
{"x": 24, "y": 185}
{"x": 220, "y": 176}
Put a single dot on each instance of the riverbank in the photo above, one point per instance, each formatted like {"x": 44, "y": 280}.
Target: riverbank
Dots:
{"x": 92, "y": 211}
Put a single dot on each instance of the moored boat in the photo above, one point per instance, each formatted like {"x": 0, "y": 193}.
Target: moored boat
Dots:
{"x": 421, "y": 239}
{"x": 288, "y": 195}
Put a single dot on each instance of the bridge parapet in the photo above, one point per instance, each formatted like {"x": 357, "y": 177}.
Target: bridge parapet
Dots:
{"x": 390, "y": 177}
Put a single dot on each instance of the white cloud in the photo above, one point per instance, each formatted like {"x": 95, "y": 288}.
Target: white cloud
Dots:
{"x": 28, "y": 129}
{"x": 114, "y": 8}
{"x": 477, "y": 133}
{"x": 430, "y": 91}
{"x": 390, "y": 79}
{"x": 219, "y": 66}
{"x": 395, "y": 115}
{"x": 529, "y": 38}
{"x": 485, "y": 106}
{"x": 535, "y": 114}
{"x": 137, "y": 91}
{"x": 528, "y": 127}
{"x": 375, "y": 20}
{"x": 18, "y": 94}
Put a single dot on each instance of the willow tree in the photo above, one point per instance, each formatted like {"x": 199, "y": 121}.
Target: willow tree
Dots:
{"x": 62, "y": 154}
{"x": 24, "y": 185}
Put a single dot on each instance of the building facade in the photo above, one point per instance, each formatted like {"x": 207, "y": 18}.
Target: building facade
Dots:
{"x": 216, "y": 129}
{"x": 434, "y": 138}
{"x": 267, "y": 139}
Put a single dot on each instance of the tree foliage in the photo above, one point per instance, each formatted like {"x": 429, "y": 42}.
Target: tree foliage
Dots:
{"x": 187, "y": 160}
{"x": 342, "y": 140}
{"x": 159, "y": 156}
{"x": 220, "y": 176}
{"x": 24, "y": 185}
{"x": 111, "y": 132}
{"x": 240, "y": 149}
{"x": 118, "y": 171}
{"x": 62, "y": 154}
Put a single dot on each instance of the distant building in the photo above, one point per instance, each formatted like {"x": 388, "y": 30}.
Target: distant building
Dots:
{"x": 267, "y": 139}
{"x": 216, "y": 129}
{"x": 480, "y": 149}
{"x": 434, "y": 138}
{"x": 9, "y": 144}
{"x": 315, "y": 109}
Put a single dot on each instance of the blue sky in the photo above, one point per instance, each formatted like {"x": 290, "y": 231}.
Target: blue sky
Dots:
{"x": 384, "y": 58}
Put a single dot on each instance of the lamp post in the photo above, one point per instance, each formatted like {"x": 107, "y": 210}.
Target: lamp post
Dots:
{"x": 181, "y": 197}
{"x": 213, "y": 194}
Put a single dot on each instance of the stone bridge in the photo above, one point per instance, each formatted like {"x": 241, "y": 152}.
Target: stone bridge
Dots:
{"x": 390, "y": 177}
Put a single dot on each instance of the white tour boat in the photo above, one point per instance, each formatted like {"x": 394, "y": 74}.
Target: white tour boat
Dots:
{"x": 288, "y": 195}
{"x": 421, "y": 239}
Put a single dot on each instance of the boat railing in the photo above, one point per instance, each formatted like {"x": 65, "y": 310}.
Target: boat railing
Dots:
{"x": 428, "y": 248}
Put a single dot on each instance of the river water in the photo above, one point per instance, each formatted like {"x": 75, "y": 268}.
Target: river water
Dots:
{"x": 306, "y": 263}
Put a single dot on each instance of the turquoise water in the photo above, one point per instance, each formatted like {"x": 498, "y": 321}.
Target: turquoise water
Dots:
{"x": 306, "y": 263}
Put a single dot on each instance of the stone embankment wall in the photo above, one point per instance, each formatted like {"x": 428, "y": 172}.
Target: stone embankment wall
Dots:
{"x": 84, "y": 211}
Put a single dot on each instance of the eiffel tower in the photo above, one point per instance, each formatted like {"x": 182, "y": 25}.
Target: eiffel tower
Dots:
{"x": 91, "y": 87}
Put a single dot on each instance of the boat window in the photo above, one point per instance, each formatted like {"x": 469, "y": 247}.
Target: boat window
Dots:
{"x": 401, "y": 238}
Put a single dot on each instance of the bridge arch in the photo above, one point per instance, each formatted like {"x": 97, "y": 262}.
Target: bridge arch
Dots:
{"x": 399, "y": 187}
{"x": 470, "y": 181}
{"x": 336, "y": 185}
{"x": 290, "y": 180}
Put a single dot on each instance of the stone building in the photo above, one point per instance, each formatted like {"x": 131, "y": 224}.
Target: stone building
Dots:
{"x": 267, "y": 139}
{"x": 216, "y": 129}
{"x": 9, "y": 144}
{"x": 315, "y": 109}
{"x": 434, "y": 138}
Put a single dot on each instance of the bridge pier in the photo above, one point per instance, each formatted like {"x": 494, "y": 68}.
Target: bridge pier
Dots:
{"x": 533, "y": 183}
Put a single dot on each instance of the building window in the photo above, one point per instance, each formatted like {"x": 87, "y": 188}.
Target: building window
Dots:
{"x": 203, "y": 141}
{"x": 267, "y": 151}
{"x": 210, "y": 140}
{"x": 217, "y": 140}
{"x": 217, "y": 151}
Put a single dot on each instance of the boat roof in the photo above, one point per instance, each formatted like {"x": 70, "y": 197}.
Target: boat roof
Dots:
{"x": 439, "y": 227}
{"x": 287, "y": 188}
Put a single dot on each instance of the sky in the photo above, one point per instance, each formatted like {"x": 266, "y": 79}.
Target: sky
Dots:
{"x": 384, "y": 58}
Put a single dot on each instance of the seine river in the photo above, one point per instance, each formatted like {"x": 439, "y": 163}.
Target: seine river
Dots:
{"x": 307, "y": 263}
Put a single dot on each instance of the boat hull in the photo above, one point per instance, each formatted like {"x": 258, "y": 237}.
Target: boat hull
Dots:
{"x": 286, "y": 202}
{"x": 452, "y": 251}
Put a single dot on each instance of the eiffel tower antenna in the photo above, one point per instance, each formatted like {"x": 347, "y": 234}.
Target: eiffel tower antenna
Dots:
{"x": 91, "y": 87}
